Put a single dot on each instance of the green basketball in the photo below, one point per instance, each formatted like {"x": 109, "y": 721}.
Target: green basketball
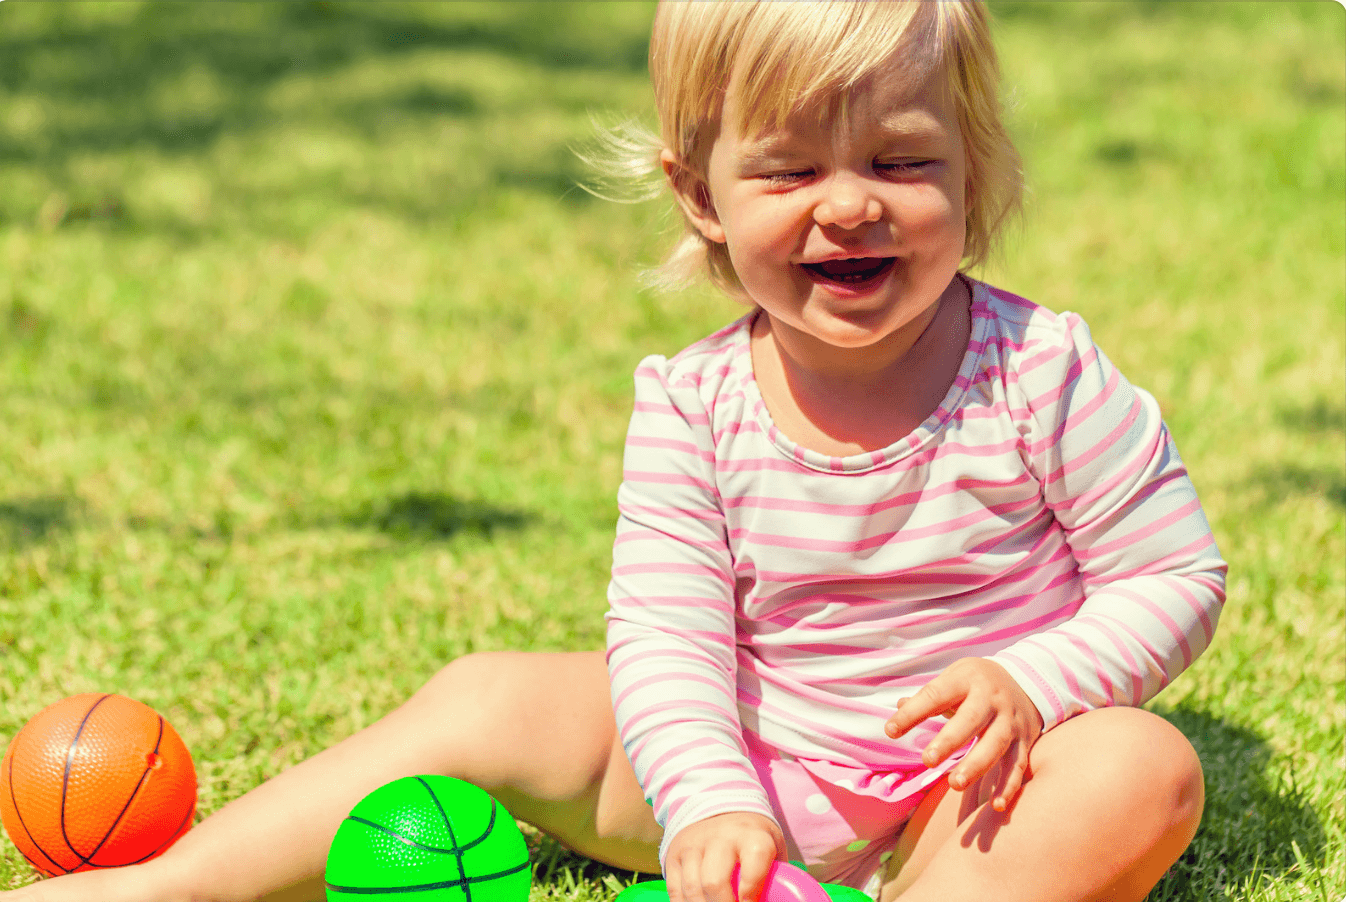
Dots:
{"x": 838, "y": 893}
{"x": 428, "y": 839}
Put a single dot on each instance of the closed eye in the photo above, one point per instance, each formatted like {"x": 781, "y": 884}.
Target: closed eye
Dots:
{"x": 903, "y": 168}
{"x": 789, "y": 177}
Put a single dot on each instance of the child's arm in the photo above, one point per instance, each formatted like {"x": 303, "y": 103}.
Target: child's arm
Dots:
{"x": 672, "y": 649}
{"x": 1153, "y": 580}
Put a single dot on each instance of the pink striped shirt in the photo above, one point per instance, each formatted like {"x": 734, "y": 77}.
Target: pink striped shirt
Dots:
{"x": 1041, "y": 517}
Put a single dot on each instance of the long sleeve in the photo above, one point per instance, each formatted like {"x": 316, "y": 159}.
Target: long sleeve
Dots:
{"x": 1153, "y": 580}
{"x": 671, "y": 652}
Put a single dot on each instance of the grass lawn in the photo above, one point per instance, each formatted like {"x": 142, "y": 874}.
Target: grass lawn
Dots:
{"x": 315, "y": 364}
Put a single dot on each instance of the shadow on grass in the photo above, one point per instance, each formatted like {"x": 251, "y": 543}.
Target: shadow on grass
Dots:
{"x": 411, "y": 517}
{"x": 117, "y": 65}
{"x": 1312, "y": 423}
{"x": 26, "y": 521}
{"x": 1319, "y": 418}
{"x": 435, "y": 516}
{"x": 1275, "y": 484}
{"x": 1251, "y": 819}
{"x": 183, "y": 80}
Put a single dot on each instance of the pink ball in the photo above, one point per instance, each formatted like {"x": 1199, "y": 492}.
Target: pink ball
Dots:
{"x": 787, "y": 883}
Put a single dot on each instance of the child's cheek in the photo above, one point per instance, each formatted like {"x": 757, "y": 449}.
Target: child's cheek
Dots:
{"x": 932, "y": 214}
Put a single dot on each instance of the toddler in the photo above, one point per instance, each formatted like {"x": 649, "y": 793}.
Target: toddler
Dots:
{"x": 899, "y": 553}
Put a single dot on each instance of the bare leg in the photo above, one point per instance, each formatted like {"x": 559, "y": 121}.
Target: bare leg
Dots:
{"x": 535, "y": 730}
{"x": 1114, "y": 799}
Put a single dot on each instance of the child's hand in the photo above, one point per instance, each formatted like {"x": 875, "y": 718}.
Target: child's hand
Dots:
{"x": 701, "y": 858}
{"x": 980, "y": 698}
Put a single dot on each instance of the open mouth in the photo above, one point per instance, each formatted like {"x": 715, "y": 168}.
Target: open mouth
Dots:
{"x": 855, "y": 271}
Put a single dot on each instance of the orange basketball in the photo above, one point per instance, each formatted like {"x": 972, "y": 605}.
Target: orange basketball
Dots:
{"x": 96, "y": 781}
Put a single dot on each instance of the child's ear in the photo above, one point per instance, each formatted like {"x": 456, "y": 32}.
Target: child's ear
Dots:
{"x": 693, "y": 196}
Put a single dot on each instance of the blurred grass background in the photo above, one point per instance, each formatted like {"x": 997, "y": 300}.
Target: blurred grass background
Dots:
{"x": 315, "y": 364}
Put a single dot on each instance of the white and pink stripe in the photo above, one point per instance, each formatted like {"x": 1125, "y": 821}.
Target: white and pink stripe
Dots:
{"x": 1041, "y": 517}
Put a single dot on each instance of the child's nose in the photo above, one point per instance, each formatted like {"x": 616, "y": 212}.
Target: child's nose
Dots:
{"x": 847, "y": 203}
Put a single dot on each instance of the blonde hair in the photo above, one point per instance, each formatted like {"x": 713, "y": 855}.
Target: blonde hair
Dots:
{"x": 777, "y": 58}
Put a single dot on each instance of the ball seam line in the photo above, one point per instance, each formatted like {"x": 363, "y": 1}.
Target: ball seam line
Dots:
{"x": 422, "y": 887}
{"x": 65, "y": 779}
{"x": 486, "y": 833}
{"x": 158, "y": 740}
{"x": 14, "y": 801}
{"x": 453, "y": 838}
{"x": 174, "y": 837}
{"x": 393, "y": 833}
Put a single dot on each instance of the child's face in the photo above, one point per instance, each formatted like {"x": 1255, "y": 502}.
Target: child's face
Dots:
{"x": 847, "y": 232}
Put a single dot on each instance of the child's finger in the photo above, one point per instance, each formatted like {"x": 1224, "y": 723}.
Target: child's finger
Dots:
{"x": 684, "y": 882}
{"x": 753, "y": 864}
{"x": 939, "y": 696}
{"x": 1013, "y": 775}
{"x": 971, "y": 720}
{"x": 720, "y": 873}
{"x": 994, "y": 741}
{"x": 707, "y": 879}
{"x": 689, "y": 879}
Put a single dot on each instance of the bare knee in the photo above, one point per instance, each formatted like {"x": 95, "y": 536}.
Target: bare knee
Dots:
{"x": 539, "y": 724}
{"x": 537, "y": 731}
{"x": 485, "y": 696}
{"x": 1178, "y": 782}
{"x": 1150, "y": 767}
{"x": 474, "y": 675}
